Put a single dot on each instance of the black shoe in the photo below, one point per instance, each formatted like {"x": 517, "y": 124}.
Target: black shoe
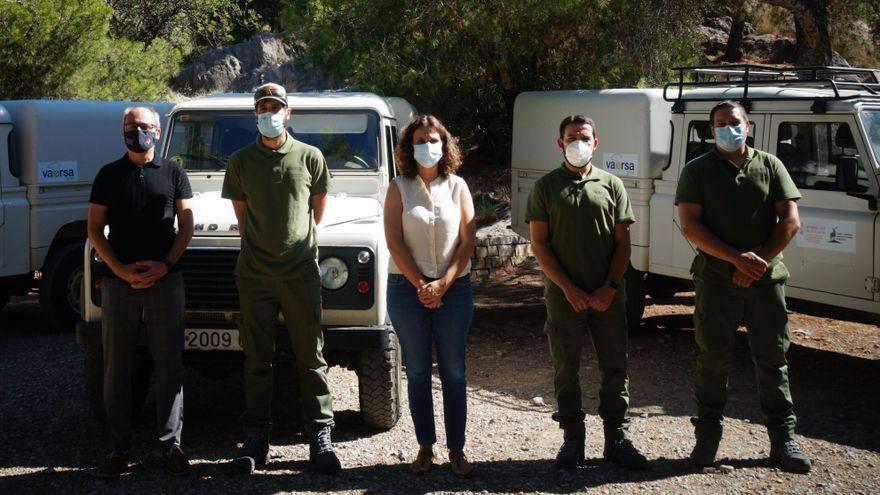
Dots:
{"x": 572, "y": 451}
{"x": 704, "y": 452}
{"x": 321, "y": 453}
{"x": 788, "y": 456}
{"x": 176, "y": 462}
{"x": 625, "y": 454}
{"x": 708, "y": 434}
{"x": 114, "y": 466}
{"x": 252, "y": 455}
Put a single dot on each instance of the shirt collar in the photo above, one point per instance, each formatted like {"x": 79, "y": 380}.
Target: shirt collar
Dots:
{"x": 283, "y": 150}
{"x": 574, "y": 176}
{"x": 156, "y": 162}
{"x": 750, "y": 154}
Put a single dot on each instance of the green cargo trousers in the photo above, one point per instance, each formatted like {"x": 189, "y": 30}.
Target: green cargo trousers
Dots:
{"x": 566, "y": 329}
{"x": 720, "y": 309}
{"x": 299, "y": 300}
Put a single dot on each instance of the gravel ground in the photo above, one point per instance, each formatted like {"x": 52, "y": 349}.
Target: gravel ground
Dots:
{"x": 52, "y": 445}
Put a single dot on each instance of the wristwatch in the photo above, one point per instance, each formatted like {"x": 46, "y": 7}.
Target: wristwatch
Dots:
{"x": 612, "y": 284}
{"x": 168, "y": 264}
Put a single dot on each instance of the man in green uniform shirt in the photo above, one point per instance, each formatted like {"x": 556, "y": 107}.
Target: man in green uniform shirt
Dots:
{"x": 738, "y": 206}
{"x": 579, "y": 220}
{"x": 278, "y": 187}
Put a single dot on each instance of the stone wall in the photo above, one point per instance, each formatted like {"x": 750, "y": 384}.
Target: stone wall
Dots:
{"x": 498, "y": 251}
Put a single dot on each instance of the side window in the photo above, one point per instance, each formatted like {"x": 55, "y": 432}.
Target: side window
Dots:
{"x": 821, "y": 155}
{"x": 700, "y": 140}
{"x": 390, "y": 143}
{"x": 14, "y": 164}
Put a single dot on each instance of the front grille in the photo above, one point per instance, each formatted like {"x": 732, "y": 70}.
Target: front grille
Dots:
{"x": 210, "y": 279}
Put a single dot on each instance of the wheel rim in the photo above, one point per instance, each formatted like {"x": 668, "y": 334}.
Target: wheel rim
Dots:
{"x": 74, "y": 291}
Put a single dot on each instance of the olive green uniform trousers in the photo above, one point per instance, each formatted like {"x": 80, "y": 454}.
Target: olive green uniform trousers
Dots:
{"x": 299, "y": 300}
{"x": 566, "y": 330}
{"x": 720, "y": 309}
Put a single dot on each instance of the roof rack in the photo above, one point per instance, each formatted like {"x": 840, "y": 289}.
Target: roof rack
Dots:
{"x": 859, "y": 82}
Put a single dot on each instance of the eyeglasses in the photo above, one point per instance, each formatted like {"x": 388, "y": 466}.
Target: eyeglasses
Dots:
{"x": 142, "y": 126}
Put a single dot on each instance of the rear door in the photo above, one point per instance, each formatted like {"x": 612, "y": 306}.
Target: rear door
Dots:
{"x": 834, "y": 251}
{"x": 14, "y": 222}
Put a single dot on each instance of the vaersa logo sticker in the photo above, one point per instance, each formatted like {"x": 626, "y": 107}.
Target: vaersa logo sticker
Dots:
{"x": 55, "y": 172}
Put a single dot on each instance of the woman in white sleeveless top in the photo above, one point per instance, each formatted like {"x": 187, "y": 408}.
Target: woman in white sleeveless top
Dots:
{"x": 430, "y": 231}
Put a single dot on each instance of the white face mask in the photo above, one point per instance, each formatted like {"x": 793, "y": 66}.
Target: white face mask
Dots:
{"x": 578, "y": 153}
{"x": 428, "y": 154}
{"x": 271, "y": 124}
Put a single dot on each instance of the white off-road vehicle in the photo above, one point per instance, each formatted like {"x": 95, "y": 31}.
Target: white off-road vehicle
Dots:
{"x": 357, "y": 133}
{"x": 822, "y": 122}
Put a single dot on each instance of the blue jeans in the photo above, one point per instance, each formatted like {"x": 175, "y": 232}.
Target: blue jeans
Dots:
{"x": 446, "y": 327}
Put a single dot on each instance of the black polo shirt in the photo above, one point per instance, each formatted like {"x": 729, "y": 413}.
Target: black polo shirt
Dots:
{"x": 141, "y": 206}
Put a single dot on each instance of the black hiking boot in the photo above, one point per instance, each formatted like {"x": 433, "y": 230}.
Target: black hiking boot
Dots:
{"x": 623, "y": 453}
{"x": 708, "y": 438}
{"x": 572, "y": 451}
{"x": 788, "y": 456}
{"x": 176, "y": 463}
{"x": 114, "y": 466}
{"x": 321, "y": 453}
{"x": 251, "y": 455}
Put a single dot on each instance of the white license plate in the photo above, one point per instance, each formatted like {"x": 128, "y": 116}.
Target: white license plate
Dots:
{"x": 212, "y": 339}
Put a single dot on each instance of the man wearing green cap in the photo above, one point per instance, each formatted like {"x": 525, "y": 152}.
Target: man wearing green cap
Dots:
{"x": 278, "y": 187}
{"x": 738, "y": 206}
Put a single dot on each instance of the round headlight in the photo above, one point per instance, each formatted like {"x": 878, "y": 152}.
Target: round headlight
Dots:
{"x": 334, "y": 273}
{"x": 364, "y": 257}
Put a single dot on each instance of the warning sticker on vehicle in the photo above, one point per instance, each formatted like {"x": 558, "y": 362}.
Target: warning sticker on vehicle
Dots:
{"x": 55, "y": 172}
{"x": 831, "y": 235}
{"x": 625, "y": 164}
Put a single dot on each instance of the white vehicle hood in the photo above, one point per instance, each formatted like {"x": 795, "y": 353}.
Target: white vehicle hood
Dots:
{"x": 215, "y": 216}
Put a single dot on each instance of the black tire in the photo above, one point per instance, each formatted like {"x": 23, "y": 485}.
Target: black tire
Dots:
{"x": 61, "y": 287}
{"x": 142, "y": 369}
{"x": 379, "y": 385}
{"x": 635, "y": 298}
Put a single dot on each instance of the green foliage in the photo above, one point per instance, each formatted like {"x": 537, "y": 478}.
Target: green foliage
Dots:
{"x": 467, "y": 61}
{"x": 61, "y": 49}
{"x": 190, "y": 26}
{"x": 127, "y": 70}
{"x": 43, "y": 43}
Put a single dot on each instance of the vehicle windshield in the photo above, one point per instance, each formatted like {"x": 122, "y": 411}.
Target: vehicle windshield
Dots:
{"x": 202, "y": 141}
{"x": 871, "y": 118}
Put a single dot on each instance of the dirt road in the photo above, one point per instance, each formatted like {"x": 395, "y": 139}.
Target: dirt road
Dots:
{"x": 51, "y": 444}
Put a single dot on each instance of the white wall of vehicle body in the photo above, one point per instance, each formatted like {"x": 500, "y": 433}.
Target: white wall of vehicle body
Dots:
{"x": 632, "y": 127}
{"x": 401, "y": 109}
{"x": 79, "y": 135}
{"x": 14, "y": 254}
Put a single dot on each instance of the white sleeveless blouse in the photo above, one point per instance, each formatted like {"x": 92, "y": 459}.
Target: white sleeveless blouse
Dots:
{"x": 431, "y": 220}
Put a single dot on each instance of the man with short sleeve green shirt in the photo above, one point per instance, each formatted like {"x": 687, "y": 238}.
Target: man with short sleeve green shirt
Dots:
{"x": 579, "y": 217}
{"x": 278, "y": 187}
{"x": 738, "y": 206}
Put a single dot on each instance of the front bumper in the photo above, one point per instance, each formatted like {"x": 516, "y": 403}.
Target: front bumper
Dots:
{"x": 335, "y": 338}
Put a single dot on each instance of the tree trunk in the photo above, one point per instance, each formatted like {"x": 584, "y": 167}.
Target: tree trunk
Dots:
{"x": 733, "y": 52}
{"x": 811, "y": 29}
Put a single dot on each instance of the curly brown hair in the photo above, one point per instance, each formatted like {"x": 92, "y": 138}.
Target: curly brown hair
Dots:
{"x": 406, "y": 163}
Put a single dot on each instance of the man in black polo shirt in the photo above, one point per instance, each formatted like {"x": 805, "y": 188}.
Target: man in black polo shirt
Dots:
{"x": 139, "y": 196}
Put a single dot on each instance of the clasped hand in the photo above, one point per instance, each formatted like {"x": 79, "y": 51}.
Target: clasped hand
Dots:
{"x": 749, "y": 268}
{"x": 600, "y": 299}
{"x": 431, "y": 293}
{"x": 142, "y": 274}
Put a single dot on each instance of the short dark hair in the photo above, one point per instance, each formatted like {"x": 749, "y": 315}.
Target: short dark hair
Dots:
{"x": 576, "y": 119}
{"x": 406, "y": 162}
{"x": 726, "y": 104}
